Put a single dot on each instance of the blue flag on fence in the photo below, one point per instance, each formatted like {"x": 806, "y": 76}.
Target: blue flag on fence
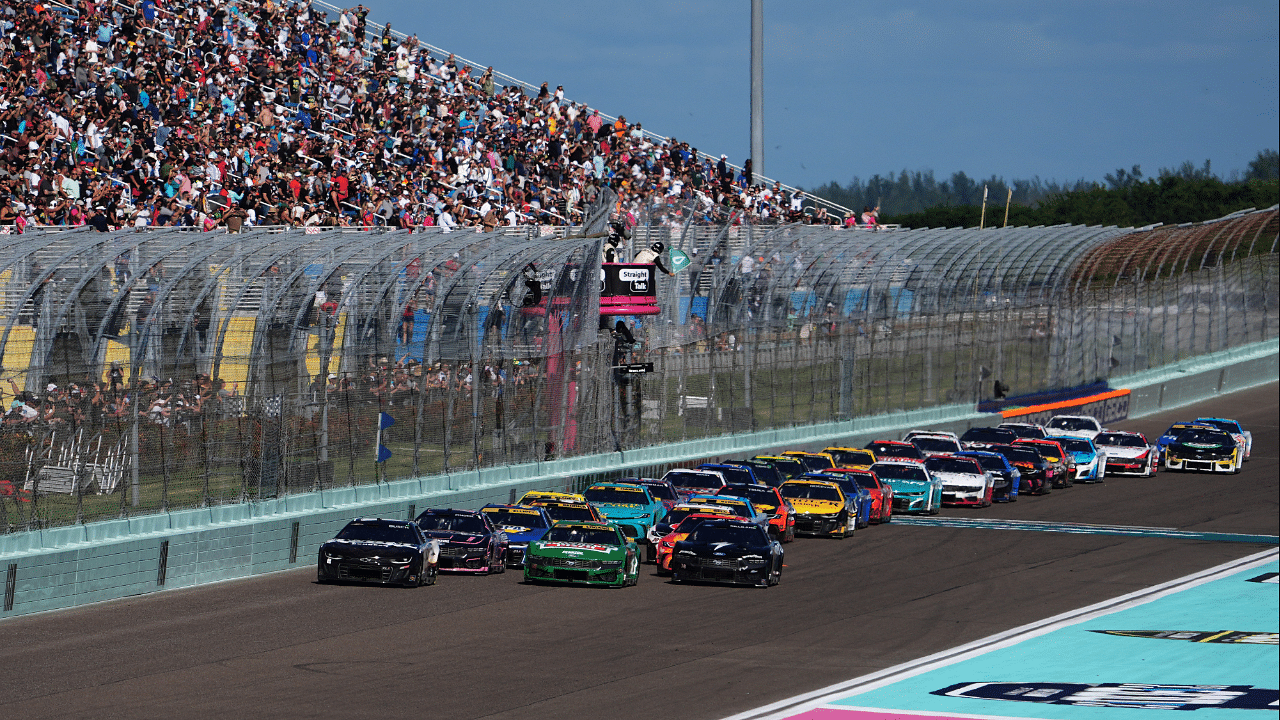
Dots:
{"x": 383, "y": 453}
{"x": 385, "y": 421}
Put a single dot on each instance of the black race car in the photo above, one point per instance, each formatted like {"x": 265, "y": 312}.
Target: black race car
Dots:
{"x": 728, "y": 551}
{"x": 1036, "y": 471}
{"x": 469, "y": 541}
{"x": 983, "y": 438}
{"x": 388, "y": 552}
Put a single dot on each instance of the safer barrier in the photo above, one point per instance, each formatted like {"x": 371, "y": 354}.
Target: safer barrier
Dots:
{"x": 64, "y": 567}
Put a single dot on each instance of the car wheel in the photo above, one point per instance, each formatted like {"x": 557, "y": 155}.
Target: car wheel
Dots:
{"x": 502, "y": 564}
{"x": 651, "y": 554}
{"x": 320, "y": 578}
{"x": 430, "y": 573}
{"x": 675, "y": 578}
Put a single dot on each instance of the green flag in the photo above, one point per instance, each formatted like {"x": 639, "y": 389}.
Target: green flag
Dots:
{"x": 679, "y": 261}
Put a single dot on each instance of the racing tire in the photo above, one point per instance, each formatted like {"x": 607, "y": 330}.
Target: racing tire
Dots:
{"x": 651, "y": 554}
{"x": 675, "y": 578}
{"x": 1235, "y": 469}
{"x": 502, "y": 565}
{"x": 888, "y": 517}
{"x": 850, "y": 526}
{"x": 428, "y": 576}
{"x": 320, "y": 578}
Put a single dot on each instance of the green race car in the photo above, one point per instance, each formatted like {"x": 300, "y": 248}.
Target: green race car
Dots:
{"x": 583, "y": 552}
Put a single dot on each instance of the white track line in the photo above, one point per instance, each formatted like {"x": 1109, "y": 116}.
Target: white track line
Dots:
{"x": 816, "y": 698}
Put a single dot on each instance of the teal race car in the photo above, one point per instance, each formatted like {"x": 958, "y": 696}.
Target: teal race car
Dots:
{"x": 587, "y": 553}
{"x": 631, "y": 507}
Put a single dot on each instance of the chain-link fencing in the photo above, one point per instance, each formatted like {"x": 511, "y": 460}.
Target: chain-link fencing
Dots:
{"x": 170, "y": 369}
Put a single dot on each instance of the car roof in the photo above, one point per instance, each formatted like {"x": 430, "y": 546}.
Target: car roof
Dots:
{"x": 908, "y": 463}
{"x": 536, "y": 509}
{"x": 585, "y": 524}
{"x": 812, "y": 481}
{"x": 889, "y": 442}
{"x": 630, "y": 486}
{"x": 384, "y": 521}
{"x": 447, "y": 511}
{"x": 698, "y": 507}
{"x": 977, "y": 453}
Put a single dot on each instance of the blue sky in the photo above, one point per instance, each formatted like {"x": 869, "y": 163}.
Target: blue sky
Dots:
{"x": 1062, "y": 91}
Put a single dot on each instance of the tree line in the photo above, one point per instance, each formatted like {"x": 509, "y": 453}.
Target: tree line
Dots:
{"x": 1126, "y": 198}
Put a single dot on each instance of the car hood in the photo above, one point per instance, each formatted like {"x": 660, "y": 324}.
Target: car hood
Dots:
{"x": 821, "y": 507}
{"x": 1123, "y": 451}
{"x": 574, "y": 550}
{"x": 367, "y": 548}
{"x": 961, "y": 479}
{"x": 518, "y": 533}
{"x": 721, "y": 549}
{"x": 1083, "y": 457}
{"x": 617, "y": 511}
{"x": 909, "y": 485}
{"x": 1202, "y": 448}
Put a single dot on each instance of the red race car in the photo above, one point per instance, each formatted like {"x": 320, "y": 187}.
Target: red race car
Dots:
{"x": 881, "y": 492}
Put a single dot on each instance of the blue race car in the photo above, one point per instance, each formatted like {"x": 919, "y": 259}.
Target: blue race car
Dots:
{"x": 1091, "y": 465}
{"x": 630, "y": 507}
{"x": 523, "y": 524}
{"x": 1006, "y": 475}
{"x": 914, "y": 490}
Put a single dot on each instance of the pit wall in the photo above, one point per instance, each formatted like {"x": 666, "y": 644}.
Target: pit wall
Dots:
{"x": 70, "y": 566}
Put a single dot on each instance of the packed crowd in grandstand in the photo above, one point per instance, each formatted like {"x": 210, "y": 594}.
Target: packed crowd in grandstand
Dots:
{"x": 227, "y": 114}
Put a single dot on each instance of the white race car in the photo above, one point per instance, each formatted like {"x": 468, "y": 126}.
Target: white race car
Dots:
{"x": 1128, "y": 453}
{"x": 1083, "y": 426}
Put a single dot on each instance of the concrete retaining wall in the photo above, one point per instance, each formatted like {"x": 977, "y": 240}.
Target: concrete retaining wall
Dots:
{"x": 69, "y": 566}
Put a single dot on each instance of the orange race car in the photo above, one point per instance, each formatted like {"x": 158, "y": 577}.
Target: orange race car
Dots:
{"x": 846, "y": 457}
{"x": 680, "y": 532}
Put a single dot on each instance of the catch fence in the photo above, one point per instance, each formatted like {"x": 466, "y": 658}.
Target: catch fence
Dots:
{"x": 169, "y": 369}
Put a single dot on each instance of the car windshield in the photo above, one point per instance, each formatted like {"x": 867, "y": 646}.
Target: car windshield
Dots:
{"x": 737, "y": 506}
{"x": 757, "y": 494}
{"x": 688, "y": 524}
{"x": 890, "y": 450}
{"x": 590, "y": 536}
{"x": 570, "y": 512}
{"x": 1120, "y": 440}
{"x": 619, "y": 496}
{"x": 1027, "y": 431}
{"x": 736, "y": 474}
{"x": 676, "y": 515}
{"x": 737, "y": 534}
{"x": 1018, "y": 454}
{"x": 851, "y": 458}
{"x": 937, "y": 445}
{"x": 989, "y": 435}
{"x": 885, "y": 471}
{"x": 1080, "y": 446}
{"x": 989, "y": 462}
{"x": 378, "y": 532}
{"x": 1046, "y": 451}
{"x": 815, "y": 463}
{"x": 1205, "y": 436}
{"x": 662, "y": 492}
{"x": 766, "y": 473}
{"x": 866, "y": 480}
{"x": 1226, "y": 426}
{"x": 951, "y": 465}
{"x": 1072, "y": 423}
{"x": 516, "y": 518}
{"x": 451, "y": 523}
{"x": 687, "y": 479}
{"x": 805, "y": 491}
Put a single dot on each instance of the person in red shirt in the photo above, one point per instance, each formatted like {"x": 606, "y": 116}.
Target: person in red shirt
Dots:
{"x": 339, "y": 190}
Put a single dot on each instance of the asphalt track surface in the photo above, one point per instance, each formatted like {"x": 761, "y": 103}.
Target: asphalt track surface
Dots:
{"x": 280, "y": 646}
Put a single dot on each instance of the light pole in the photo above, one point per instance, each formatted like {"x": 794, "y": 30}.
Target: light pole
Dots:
{"x": 757, "y": 87}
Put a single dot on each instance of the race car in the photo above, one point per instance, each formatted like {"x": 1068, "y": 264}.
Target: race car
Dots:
{"x": 690, "y": 482}
{"x": 765, "y": 472}
{"x": 1005, "y": 475}
{"x": 678, "y": 533}
{"x": 1128, "y": 453}
{"x": 879, "y": 494}
{"x": 661, "y": 490}
{"x": 373, "y": 550}
{"x": 1243, "y": 437}
{"x": 896, "y": 451}
{"x": 535, "y": 497}
{"x": 1030, "y": 431}
{"x": 673, "y": 518}
{"x": 1081, "y": 426}
{"x": 782, "y": 517}
{"x": 1061, "y": 463}
{"x": 1091, "y": 463}
{"x": 856, "y": 458}
{"x": 522, "y": 524}
{"x": 1206, "y": 449}
{"x": 1176, "y": 429}
{"x": 733, "y": 473}
{"x": 1036, "y": 473}
{"x": 852, "y": 489}
{"x": 739, "y": 506}
{"x": 630, "y": 507}
{"x": 931, "y": 444}
{"x": 728, "y": 551}
{"x": 821, "y": 508}
{"x": 469, "y": 541}
{"x": 964, "y": 482}
{"x": 914, "y": 490}
{"x": 815, "y": 461}
{"x": 590, "y": 553}
{"x": 982, "y": 438}
{"x": 789, "y": 467}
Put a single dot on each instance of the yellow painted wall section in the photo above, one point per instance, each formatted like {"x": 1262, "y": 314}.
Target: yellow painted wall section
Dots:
{"x": 236, "y": 349}
{"x": 335, "y": 358}
{"x": 117, "y": 353}
{"x": 17, "y": 354}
